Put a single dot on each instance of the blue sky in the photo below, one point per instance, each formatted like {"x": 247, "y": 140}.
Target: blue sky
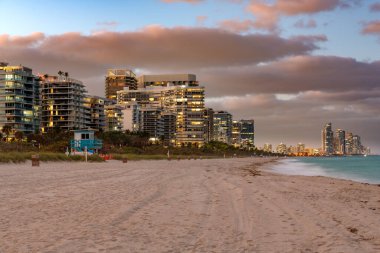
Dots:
{"x": 248, "y": 54}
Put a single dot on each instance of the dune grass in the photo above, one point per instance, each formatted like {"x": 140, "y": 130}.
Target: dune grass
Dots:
{"x": 159, "y": 157}
{"x": 19, "y": 157}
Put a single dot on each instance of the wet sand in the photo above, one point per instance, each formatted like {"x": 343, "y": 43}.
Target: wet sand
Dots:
{"x": 221, "y": 205}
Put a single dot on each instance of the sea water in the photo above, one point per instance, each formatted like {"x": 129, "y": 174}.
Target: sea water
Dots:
{"x": 356, "y": 168}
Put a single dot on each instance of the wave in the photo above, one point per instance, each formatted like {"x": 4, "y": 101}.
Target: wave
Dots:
{"x": 298, "y": 167}
{"x": 295, "y": 167}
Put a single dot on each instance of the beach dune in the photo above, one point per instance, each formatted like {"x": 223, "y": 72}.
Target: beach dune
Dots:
{"x": 218, "y": 205}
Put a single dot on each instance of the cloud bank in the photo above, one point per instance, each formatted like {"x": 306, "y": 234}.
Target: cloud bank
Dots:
{"x": 278, "y": 81}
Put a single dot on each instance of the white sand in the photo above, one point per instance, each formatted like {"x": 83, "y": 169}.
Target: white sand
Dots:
{"x": 182, "y": 206}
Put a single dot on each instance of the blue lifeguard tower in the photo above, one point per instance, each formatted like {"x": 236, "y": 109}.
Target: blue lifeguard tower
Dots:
{"x": 84, "y": 140}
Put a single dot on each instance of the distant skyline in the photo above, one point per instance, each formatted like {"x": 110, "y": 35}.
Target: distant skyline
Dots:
{"x": 292, "y": 65}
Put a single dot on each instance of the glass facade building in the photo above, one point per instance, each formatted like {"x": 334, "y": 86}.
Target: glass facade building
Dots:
{"x": 19, "y": 99}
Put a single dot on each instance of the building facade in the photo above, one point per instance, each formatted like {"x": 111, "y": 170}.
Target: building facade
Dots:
{"x": 223, "y": 127}
{"x": 119, "y": 79}
{"x": 19, "y": 99}
{"x": 62, "y": 103}
{"x": 113, "y": 117}
{"x": 267, "y": 147}
{"x": 166, "y": 129}
{"x": 185, "y": 101}
{"x": 340, "y": 142}
{"x": 281, "y": 148}
{"x": 165, "y": 80}
{"x": 94, "y": 113}
{"x": 209, "y": 124}
{"x": 236, "y": 133}
{"x": 328, "y": 139}
{"x": 247, "y": 133}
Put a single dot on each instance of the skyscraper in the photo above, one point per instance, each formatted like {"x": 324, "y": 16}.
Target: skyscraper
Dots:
{"x": 267, "y": 147}
{"x": 300, "y": 148}
{"x": 340, "y": 141}
{"x": 19, "y": 99}
{"x": 357, "y": 147}
{"x": 236, "y": 133}
{"x": 327, "y": 140}
{"x": 281, "y": 148}
{"x": 209, "y": 124}
{"x": 247, "y": 133}
{"x": 118, "y": 79}
{"x": 223, "y": 127}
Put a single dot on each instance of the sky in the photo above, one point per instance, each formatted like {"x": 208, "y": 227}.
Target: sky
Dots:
{"x": 292, "y": 65}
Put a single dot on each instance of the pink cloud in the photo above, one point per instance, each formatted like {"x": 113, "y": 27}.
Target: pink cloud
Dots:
{"x": 267, "y": 15}
{"x": 21, "y": 41}
{"x": 371, "y": 28}
{"x": 156, "y": 46}
{"x": 295, "y": 74}
{"x": 236, "y": 25}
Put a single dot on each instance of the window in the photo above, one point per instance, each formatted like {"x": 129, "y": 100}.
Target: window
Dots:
{"x": 85, "y": 136}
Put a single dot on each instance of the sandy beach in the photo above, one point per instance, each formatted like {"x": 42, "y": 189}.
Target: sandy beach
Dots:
{"x": 221, "y": 205}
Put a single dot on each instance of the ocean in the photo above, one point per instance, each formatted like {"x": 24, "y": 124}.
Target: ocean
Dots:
{"x": 356, "y": 168}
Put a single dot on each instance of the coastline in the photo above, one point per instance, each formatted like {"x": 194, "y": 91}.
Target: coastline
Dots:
{"x": 303, "y": 167}
{"x": 220, "y": 205}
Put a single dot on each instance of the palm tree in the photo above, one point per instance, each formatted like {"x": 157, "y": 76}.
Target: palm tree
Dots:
{"x": 7, "y": 129}
{"x": 19, "y": 135}
{"x": 66, "y": 74}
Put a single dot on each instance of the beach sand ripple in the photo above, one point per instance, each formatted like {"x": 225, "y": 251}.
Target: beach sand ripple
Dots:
{"x": 219, "y": 205}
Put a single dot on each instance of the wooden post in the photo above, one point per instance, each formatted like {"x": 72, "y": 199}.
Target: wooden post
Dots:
{"x": 85, "y": 153}
{"x": 35, "y": 161}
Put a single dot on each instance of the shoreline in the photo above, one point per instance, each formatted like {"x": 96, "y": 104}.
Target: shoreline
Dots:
{"x": 220, "y": 205}
{"x": 315, "y": 170}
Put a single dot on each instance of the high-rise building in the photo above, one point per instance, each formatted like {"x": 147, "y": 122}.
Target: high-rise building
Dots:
{"x": 19, "y": 99}
{"x": 357, "y": 148}
{"x": 119, "y": 79}
{"x": 267, "y": 147}
{"x": 190, "y": 80}
{"x": 223, "y": 127}
{"x": 300, "y": 148}
{"x": 62, "y": 103}
{"x": 349, "y": 143}
{"x": 236, "y": 133}
{"x": 186, "y": 101}
{"x": 166, "y": 128}
{"x": 247, "y": 133}
{"x": 113, "y": 116}
{"x": 281, "y": 148}
{"x": 340, "y": 142}
{"x": 131, "y": 117}
{"x": 328, "y": 140}
{"x": 148, "y": 117}
{"x": 94, "y": 112}
{"x": 209, "y": 124}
